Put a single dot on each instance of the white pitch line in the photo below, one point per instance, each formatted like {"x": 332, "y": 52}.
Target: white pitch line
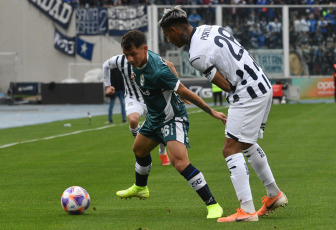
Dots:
{"x": 57, "y": 136}
{"x": 68, "y": 134}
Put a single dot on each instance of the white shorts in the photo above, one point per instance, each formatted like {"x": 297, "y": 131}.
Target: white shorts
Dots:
{"x": 134, "y": 106}
{"x": 246, "y": 123}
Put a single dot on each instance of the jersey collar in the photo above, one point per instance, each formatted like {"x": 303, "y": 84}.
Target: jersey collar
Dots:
{"x": 192, "y": 34}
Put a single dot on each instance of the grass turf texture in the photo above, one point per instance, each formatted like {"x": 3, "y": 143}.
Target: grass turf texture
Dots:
{"x": 299, "y": 142}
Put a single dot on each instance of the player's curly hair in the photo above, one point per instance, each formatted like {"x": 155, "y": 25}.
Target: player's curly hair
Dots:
{"x": 173, "y": 16}
{"x": 134, "y": 37}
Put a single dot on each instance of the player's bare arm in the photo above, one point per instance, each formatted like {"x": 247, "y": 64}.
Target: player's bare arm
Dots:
{"x": 196, "y": 100}
{"x": 221, "y": 82}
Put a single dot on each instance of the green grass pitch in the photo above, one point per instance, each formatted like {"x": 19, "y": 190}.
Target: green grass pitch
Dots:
{"x": 46, "y": 159}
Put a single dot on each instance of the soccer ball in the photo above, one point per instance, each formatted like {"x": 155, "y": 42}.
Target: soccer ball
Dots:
{"x": 75, "y": 200}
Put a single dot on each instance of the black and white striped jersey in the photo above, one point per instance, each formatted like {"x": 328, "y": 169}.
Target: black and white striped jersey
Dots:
{"x": 120, "y": 62}
{"x": 213, "y": 49}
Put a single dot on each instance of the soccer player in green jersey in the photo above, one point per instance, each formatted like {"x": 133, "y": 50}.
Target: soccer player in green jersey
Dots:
{"x": 166, "y": 121}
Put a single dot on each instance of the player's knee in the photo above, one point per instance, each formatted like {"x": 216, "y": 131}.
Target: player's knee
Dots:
{"x": 133, "y": 123}
{"x": 228, "y": 152}
{"x": 179, "y": 164}
{"x": 137, "y": 151}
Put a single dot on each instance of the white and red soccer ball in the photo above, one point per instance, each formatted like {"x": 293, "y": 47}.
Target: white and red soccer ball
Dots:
{"x": 75, "y": 200}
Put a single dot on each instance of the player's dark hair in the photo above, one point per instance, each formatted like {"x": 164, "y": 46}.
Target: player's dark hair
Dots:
{"x": 173, "y": 16}
{"x": 134, "y": 37}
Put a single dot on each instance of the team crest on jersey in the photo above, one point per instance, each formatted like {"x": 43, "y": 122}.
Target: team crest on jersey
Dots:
{"x": 142, "y": 80}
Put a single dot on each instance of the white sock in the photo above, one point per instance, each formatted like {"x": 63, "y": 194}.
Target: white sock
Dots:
{"x": 134, "y": 131}
{"x": 240, "y": 180}
{"x": 258, "y": 160}
{"x": 248, "y": 206}
{"x": 162, "y": 149}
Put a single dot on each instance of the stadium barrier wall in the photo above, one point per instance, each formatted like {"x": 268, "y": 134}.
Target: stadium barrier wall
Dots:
{"x": 74, "y": 93}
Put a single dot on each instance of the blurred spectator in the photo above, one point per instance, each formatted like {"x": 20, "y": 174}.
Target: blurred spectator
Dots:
{"x": 323, "y": 25}
{"x": 304, "y": 25}
{"x": 274, "y": 26}
{"x": 254, "y": 33}
{"x": 312, "y": 25}
{"x": 297, "y": 24}
{"x": 194, "y": 18}
{"x": 273, "y": 37}
{"x": 209, "y": 16}
{"x": 309, "y": 2}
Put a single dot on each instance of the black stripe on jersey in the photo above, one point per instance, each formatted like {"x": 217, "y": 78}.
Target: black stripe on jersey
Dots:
{"x": 129, "y": 70}
{"x": 255, "y": 65}
{"x": 251, "y": 92}
{"x": 240, "y": 73}
{"x": 232, "y": 87}
{"x": 123, "y": 73}
{"x": 266, "y": 80}
{"x": 262, "y": 88}
{"x": 251, "y": 72}
{"x": 235, "y": 98}
{"x": 127, "y": 83}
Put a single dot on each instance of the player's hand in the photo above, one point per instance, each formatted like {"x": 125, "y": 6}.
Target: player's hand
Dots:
{"x": 219, "y": 115}
{"x": 109, "y": 90}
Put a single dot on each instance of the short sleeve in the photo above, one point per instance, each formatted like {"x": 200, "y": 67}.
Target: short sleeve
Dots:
{"x": 205, "y": 65}
{"x": 167, "y": 79}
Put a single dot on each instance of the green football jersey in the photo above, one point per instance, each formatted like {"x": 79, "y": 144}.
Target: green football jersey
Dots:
{"x": 158, "y": 84}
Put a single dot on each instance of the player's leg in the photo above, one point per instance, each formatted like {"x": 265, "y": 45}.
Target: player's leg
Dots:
{"x": 134, "y": 110}
{"x": 122, "y": 105}
{"x": 163, "y": 155}
{"x": 141, "y": 148}
{"x": 258, "y": 160}
{"x": 239, "y": 175}
{"x": 110, "y": 109}
{"x": 134, "y": 126}
{"x": 177, "y": 143}
{"x": 236, "y": 129}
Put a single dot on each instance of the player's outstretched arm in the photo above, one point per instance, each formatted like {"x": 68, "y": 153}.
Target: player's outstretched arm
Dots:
{"x": 196, "y": 100}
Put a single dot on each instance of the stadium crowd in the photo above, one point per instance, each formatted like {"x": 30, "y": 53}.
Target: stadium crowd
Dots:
{"x": 312, "y": 30}
{"x": 105, "y": 3}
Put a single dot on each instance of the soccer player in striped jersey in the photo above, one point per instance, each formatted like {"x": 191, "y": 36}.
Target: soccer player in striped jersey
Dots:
{"x": 166, "y": 122}
{"x": 225, "y": 63}
{"x": 135, "y": 106}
